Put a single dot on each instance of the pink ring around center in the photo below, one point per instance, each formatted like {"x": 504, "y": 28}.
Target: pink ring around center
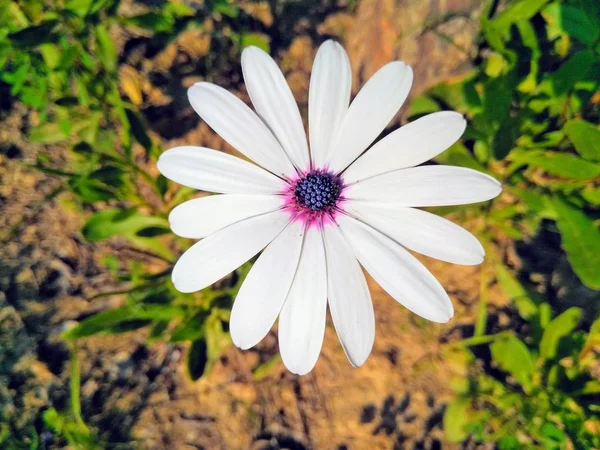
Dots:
{"x": 309, "y": 217}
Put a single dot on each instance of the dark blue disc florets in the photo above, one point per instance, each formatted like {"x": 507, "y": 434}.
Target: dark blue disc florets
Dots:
{"x": 318, "y": 191}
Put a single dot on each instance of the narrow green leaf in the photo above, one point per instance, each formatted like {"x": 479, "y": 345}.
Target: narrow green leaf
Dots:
{"x": 558, "y": 328}
{"x": 108, "y": 320}
{"x": 561, "y": 164}
{"x": 581, "y": 241}
{"x": 117, "y": 222}
{"x": 138, "y": 129}
{"x": 585, "y": 137}
{"x": 107, "y": 52}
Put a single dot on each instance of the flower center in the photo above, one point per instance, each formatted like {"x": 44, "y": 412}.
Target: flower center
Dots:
{"x": 318, "y": 191}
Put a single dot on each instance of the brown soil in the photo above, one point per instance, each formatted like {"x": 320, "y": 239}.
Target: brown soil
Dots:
{"x": 47, "y": 271}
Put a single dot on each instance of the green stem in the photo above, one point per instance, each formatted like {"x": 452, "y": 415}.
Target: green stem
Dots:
{"x": 75, "y": 388}
{"x": 481, "y": 322}
{"x": 475, "y": 340}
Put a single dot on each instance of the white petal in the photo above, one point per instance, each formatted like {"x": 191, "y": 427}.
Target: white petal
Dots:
{"x": 420, "y": 231}
{"x": 214, "y": 171}
{"x": 266, "y": 287}
{"x": 370, "y": 112}
{"x": 349, "y": 298}
{"x": 302, "y": 319}
{"x": 235, "y": 122}
{"x": 397, "y": 271}
{"x": 274, "y": 102}
{"x": 222, "y": 252}
{"x": 409, "y": 146}
{"x": 426, "y": 186}
{"x": 203, "y": 216}
{"x": 328, "y": 98}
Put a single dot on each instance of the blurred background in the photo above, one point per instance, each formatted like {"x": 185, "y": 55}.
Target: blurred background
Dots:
{"x": 97, "y": 349}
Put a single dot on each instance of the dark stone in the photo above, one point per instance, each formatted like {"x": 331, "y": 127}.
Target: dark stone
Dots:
{"x": 367, "y": 415}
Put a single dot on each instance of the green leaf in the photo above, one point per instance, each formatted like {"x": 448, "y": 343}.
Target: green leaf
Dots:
{"x": 571, "y": 71}
{"x": 498, "y": 94}
{"x": 580, "y": 238}
{"x": 217, "y": 338}
{"x": 192, "y": 329}
{"x": 530, "y": 40}
{"x": 79, "y": 7}
{"x": 558, "y": 328}
{"x": 508, "y": 443}
{"x": 159, "y": 23}
{"x": 495, "y": 65}
{"x": 456, "y": 418}
{"x": 158, "y": 330}
{"x": 591, "y": 195}
{"x": 48, "y": 133}
{"x": 108, "y": 321}
{"x": 90, "y": 190}
{"x": 593, "y": 340}
{"x": 128, "y": 224}
{"x": 521, "y": 297}
{"x": 458, "y": 155}
{"x": 256, "y": 39}
{"x": 421, "y": 105}
{"x": 225, "y": 8}
{"x": 505, "y": 137}
{"x": 107, "y": 52}
{"x": 51, "y": 55}
{"x": 204, "y": 352}
{"x": 263, "y": 370}
{"x": 513, "y": 356}
{"x": 585, "y": 137}
{"x": 573, "y": 21}
{"x": 492, "y": 35}
{"x": 117, "y": 222}
{"x": 35, "y": 35}
{"x": 518, "y": 10}
{"x": 138, "y": 129}
{"x": 561, "y": 164}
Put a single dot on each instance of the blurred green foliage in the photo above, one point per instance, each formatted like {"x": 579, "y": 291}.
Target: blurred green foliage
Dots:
{"x": 61, "y": 59}
{"x": 534, "y": 390}
{"x": 532, "y": 104}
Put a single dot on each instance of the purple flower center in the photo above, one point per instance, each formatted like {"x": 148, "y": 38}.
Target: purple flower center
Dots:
{"x": 318, "y": 191}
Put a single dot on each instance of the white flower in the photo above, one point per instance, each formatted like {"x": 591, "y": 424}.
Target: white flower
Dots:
{"x": 320, "y": 214}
